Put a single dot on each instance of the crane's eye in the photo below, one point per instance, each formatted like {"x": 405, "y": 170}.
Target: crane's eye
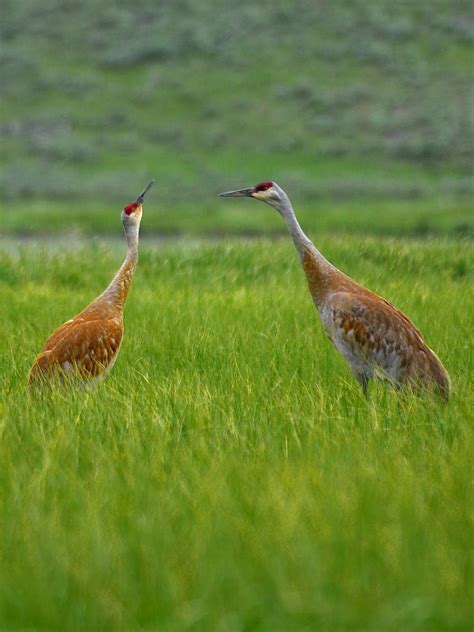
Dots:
{"x": 130, "y": 208}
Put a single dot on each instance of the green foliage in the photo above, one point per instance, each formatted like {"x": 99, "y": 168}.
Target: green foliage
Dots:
{"x": 228, "y": 473}
{"x": 101, "y": 96}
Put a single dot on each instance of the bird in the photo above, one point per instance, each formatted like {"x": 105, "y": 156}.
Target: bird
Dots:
{"x": 376, "y": 338}
{"x": 86, "y": 347}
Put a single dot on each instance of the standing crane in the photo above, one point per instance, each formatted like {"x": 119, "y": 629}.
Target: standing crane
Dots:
{"x": 87, "y": 346}
{"x": 376, "y": 338}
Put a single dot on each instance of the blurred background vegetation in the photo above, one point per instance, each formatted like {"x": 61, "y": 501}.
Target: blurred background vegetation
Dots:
{"x": 362, "y": 110}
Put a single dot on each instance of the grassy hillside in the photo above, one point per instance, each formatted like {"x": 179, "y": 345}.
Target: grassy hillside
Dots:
{"x": 347, "y": 100}
{"x": 228, "y": 474}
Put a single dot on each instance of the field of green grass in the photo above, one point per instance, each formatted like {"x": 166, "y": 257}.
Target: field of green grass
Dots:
{"x": 228, "y": 474}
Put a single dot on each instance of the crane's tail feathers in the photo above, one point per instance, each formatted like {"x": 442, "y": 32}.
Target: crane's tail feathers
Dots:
{"x": 432, "y": 374}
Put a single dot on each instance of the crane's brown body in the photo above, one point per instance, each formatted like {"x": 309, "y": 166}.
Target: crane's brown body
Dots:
{"x": 374, "y": 336}
{"x": 86, "y": 347}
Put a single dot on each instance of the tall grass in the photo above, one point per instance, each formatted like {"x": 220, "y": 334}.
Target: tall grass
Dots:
{"x": 228, "y": 474}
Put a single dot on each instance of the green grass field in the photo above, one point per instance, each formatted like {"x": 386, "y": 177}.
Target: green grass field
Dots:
{"x": 228, "y": 474}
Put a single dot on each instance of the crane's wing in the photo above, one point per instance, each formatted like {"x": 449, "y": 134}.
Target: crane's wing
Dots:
{"x": 83, "y": 347}
{"x": 368, "y": 329}
{"x": 61, "y": 333}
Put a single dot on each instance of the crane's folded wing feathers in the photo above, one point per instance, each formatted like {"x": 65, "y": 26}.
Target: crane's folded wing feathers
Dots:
{"x": 84, "y": 347}
{"x": 370, "y": 328}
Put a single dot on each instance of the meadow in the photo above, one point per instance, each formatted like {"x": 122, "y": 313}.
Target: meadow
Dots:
{"x": 228, "y": 474}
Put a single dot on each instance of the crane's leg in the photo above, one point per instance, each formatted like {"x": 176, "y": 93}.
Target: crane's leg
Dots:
{"x": 363, "y": 380}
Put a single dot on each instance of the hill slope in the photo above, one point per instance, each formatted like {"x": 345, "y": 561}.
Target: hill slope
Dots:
{"x": 354, "y": 99}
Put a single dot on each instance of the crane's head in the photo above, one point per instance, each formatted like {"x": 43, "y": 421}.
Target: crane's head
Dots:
{"x": 268, "y": 192}
{"x": 132, "y": 212}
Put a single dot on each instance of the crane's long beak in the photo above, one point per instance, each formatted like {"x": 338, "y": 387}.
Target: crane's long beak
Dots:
{"x": 239, "y": 193}
{"x": 139, "y": 199}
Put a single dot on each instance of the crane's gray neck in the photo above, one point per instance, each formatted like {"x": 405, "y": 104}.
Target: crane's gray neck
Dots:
{"x": 131, "y": 235}
{"x": 130, "y": 262}
{"x": 302, "y": 242}
{"x": 117, "y": 292}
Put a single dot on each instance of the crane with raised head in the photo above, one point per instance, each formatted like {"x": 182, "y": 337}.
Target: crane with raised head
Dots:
{"x": 374, "y": 336}
{"x": 86, "y": 347}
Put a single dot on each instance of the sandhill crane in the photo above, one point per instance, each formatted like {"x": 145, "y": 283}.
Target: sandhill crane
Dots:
{"x": 376, "y": 338}
{"x": 87, "y": 346}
